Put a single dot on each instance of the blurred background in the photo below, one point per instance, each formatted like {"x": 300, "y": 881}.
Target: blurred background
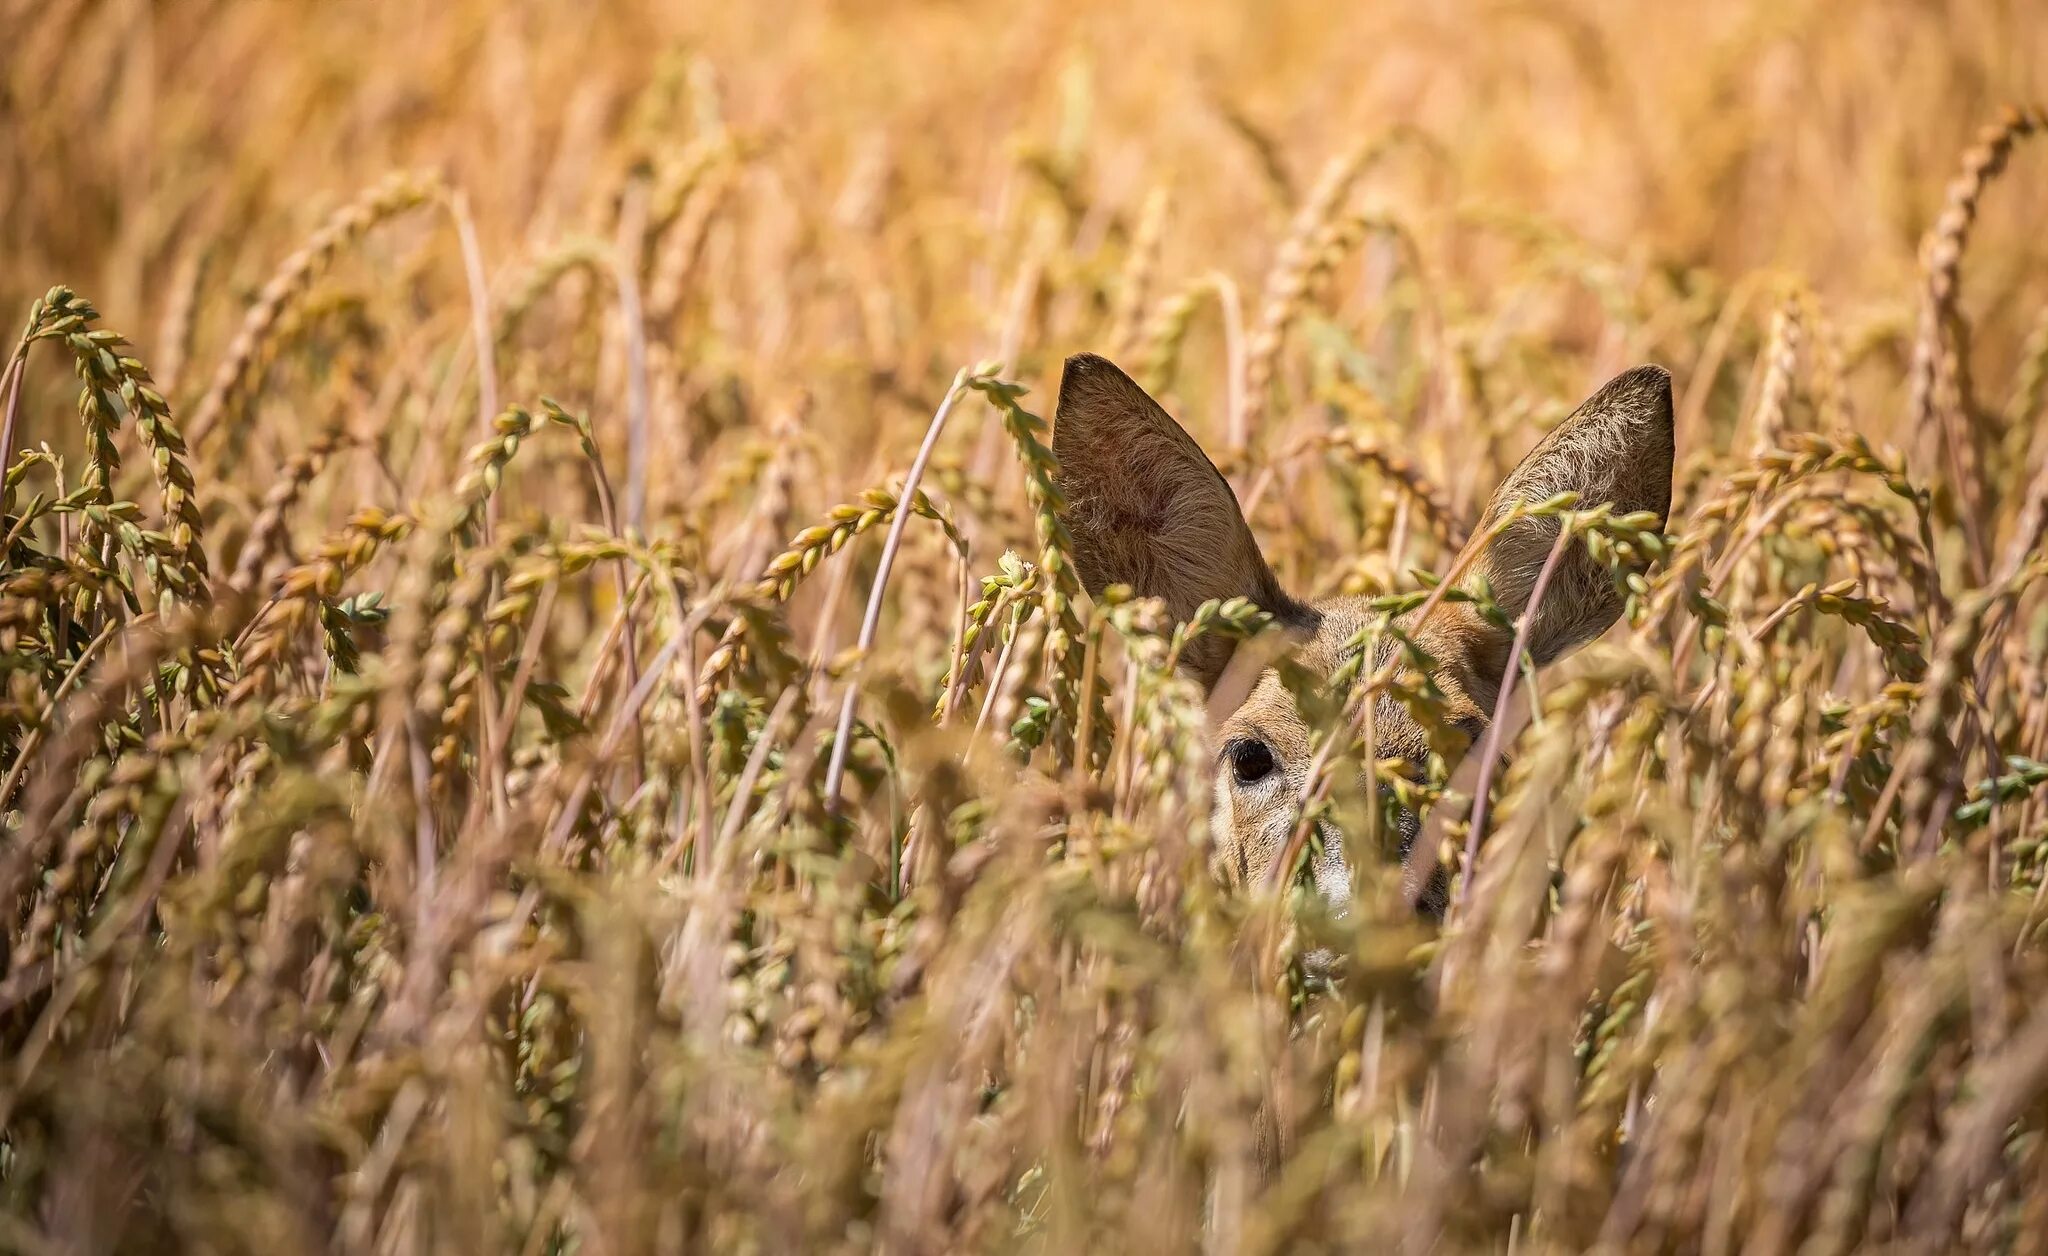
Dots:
{"x": 895, "y": 168}
{"x": 436, "y": 978}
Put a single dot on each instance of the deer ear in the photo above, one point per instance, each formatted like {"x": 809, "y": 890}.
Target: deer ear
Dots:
{"x": 1616, "y": 448}
{"x": 1148, "y": 509}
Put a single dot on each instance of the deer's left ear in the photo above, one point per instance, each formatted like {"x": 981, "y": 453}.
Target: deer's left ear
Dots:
{"x": 1616, "y": 448}
{"x": 1148, "y": 509}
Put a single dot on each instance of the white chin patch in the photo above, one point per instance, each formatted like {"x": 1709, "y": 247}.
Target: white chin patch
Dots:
{"x": 1333, "y": 879}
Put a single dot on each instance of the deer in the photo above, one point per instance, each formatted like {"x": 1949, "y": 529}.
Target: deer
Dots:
{"x": 1146, "y": 508}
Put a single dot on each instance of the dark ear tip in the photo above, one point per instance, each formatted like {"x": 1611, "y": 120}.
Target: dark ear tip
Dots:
{"x": 1094, "y": 390}
{"x": 1643, "y": 390}
{"x": 1649, "y": 377}
{"x": 1090, "y": 370}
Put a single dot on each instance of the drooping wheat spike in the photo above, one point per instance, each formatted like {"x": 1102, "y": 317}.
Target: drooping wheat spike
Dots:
{"x": 61, "y": 314}
{"x": 320, "y": 321}
{"x": 1941, "y": 258}
{"x": 173, "y": 560}
{"x": 843, "y": 523}
{"x": 1061, "y": 584}
{"x": 1931, "y": 766}
{"x": 486, "y": 462}
{"x": 1013, "y": 581}
{"x": 226, "y": 394}
{"x": 1768, "y": 475}
{"x": 680, "y": 210}
{"x": 1167, "y": 330}
{"x": 267, "y": 532}
{"x": 1288, "y": 283}
{"x": 108, "y": 373}
{"x": 584, "y": 255}
{"x": 1896, "y": 641}
{"x": 1781, "y": 355}
{"x": 808, "y": 548}
{"x": 457, "y": 657}
{"x": 1349, "y": 445}
{"x": 260, "y": 654}
{"x": 586, "y": 444}
{"x": 1315, "y": 242}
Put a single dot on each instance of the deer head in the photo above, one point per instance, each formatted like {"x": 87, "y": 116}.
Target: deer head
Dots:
{"x": 1146, "y": 508}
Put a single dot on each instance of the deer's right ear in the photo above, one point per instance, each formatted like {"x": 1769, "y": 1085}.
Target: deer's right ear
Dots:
{"x": 1148, "y": 509}
{"x": 1615, "y": 449}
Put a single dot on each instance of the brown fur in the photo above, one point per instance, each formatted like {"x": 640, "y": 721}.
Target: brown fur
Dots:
{"x": 1148, "y": 509}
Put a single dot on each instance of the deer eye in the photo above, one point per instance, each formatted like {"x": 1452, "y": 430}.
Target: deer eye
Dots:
{"x": 1251, "y": 761}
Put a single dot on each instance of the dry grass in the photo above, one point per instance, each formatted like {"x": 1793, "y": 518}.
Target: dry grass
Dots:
{"x": 429, "y": 820}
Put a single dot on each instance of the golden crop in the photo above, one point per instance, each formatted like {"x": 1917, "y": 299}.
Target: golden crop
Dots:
{"x": 491, "y": 765}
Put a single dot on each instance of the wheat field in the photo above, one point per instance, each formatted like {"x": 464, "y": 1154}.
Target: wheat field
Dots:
{"x": 503, "y": 754}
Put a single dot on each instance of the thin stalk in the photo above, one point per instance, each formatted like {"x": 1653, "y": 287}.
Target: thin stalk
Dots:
{"x": 10, "y": 385}
{"x": 626, "y": 268}
{"x": 835, "y": 769}
{"x": 1489, "y": 754}
{"x": 996, "y": 675}
{"x": 479, "y": 330}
